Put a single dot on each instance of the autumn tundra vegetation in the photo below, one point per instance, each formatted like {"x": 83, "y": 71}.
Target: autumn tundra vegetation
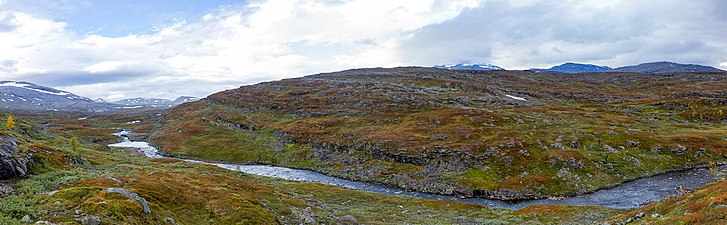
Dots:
{"x": 510, "y": 135}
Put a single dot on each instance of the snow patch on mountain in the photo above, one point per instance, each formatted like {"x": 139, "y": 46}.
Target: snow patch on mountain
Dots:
{"x": 30, "y": 87}
{"x": 469, "y": 66}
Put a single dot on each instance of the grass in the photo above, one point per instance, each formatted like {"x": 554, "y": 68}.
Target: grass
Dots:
{"x": 603, "y": 129}
{"x": 190, "y": 193}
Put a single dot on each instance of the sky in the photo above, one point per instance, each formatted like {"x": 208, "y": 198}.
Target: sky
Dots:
{"x": 116, "y": 49}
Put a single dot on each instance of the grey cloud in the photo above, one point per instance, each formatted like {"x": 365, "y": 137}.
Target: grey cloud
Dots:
{"x": 8, "y": 66}
{"x": 551, "y": 32}
{"x": 79, "y": 77}
{"x": 6, "y": 22}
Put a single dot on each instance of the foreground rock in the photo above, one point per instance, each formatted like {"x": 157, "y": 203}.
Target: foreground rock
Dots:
{"x": 12, "y": 165}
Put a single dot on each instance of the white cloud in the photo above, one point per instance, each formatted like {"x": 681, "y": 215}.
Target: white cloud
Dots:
{"x": 275, "y": 39}
{"x": 229, "y": 47}
{"x": 530, "y": 33}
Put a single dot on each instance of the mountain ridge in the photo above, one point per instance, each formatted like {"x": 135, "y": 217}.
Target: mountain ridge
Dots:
{"x": 22, "y": 95}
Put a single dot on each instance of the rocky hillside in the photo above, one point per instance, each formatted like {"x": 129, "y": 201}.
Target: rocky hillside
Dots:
{"x": 498, "y": 134}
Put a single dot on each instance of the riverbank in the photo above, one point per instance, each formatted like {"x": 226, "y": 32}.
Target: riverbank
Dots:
{"x": 631, "y": 194}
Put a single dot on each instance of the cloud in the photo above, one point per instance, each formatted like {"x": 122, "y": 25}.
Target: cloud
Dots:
{"x": 273, "y": 39}
{"x": 525, "y": 34}
{"x": 228, "y": 47}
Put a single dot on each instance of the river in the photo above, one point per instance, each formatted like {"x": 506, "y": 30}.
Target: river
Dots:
{"x": 627, "y": 195}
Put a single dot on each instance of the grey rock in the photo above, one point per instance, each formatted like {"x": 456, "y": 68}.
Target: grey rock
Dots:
{"x": 610, "y": 149}
{"x": 7, "y": 190}
{"x": 12, "y": 166}
{"x": 170, "y": 220}
{"x": 26, "y": 219}
{"x": 90, "y": 220}
{"x": 348, "y": 220}
{"x": 132, "y": 196}
{"x": 632, "y": 144}
{"x": 679, "y": 150}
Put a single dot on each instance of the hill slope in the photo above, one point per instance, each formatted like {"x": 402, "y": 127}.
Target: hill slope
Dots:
{"x": 497, "y": 134}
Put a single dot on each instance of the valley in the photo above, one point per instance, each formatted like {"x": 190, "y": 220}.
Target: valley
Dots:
{"x": 430, "y": 146}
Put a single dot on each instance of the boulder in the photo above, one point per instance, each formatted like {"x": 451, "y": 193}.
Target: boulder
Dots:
{"x": 90, "y": 220}
{"x": 12, "y": 166}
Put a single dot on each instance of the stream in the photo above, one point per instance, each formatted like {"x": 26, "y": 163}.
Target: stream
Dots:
{"x": 631, "y": 194}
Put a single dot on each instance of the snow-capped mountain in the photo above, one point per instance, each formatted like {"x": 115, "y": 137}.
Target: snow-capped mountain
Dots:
{"x": 148, "y": 102}
{"x": 184, "y": 99}
{"x": 579, "y": 68}
{"x": 154, "y": 102}
{"x": 467, "y": 66}
{"x": 29, "y": 96}
{"x": 16, "y": 95}
{"x": 666, "y": 67}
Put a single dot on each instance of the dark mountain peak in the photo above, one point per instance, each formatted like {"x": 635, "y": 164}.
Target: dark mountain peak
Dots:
{"x": 666, "y": 67}
{"x": 571, "y": 67}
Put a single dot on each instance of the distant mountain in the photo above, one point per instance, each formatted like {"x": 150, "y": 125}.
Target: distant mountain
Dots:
{"x": 666, "y": 67}
{"x": 146, "y": 102}
{"x": 184, "y": 99}
{"x": 578, "y": 68}
{"x": 469, "y": 67}
{"x": 15, "y": 95}
{"x": 29, "y": 96}
{"x": 154, "y": 102}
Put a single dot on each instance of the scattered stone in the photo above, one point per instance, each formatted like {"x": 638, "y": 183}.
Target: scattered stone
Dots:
{"x": 44, "y": 222}
{"x": 438, "y": 137}
{"x": 79, "y": 212}
{"x": 7, "y": 190}
{"x": 679, "y": 150}
{"x": 681, "y": 190}
{"x": 575, "y": 144}
{"x": 632, "y": 144}
{"x": 90, "y": 220}
{"x": 131, "y": 195}
{"x": 26, "y": 219}
{"x": 170, "y": 220}
{"x": 518, "y": 120}
{"x": 348, "y": 220}
{"x": 610, "y": 149}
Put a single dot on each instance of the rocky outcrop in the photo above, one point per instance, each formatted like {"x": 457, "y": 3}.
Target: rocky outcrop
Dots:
{"x": 11, "y": 165}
